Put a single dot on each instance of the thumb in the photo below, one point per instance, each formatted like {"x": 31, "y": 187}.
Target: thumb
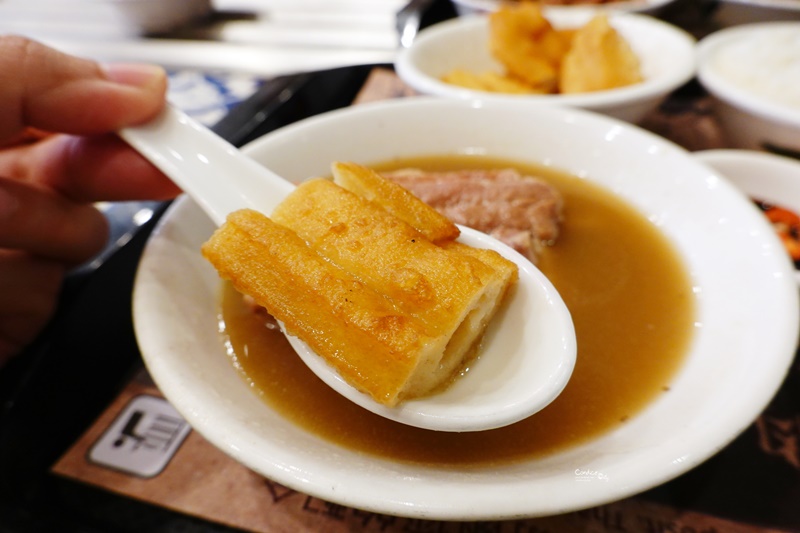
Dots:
{"x": 43, "y": 88}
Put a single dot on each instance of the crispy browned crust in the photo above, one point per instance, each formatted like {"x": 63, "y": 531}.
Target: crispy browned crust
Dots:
{"x": 354, "y": 328}
{"x": 390, "y": 256}
{"x": 393, "y": 312}
{"x": 370, "y": 185}
{"x": 599, "y": 59}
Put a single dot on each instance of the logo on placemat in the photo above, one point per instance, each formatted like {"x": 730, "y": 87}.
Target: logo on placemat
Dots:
{"x": 142, "y": 439}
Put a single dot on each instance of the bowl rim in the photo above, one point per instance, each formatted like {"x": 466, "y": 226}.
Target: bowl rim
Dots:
{"x": 733, "y": 155}
{"x": 728, "y": 92}
{"x": 680, "y": 40}
{"x": 693, "y": 446}
{"x": 762, "y": 171}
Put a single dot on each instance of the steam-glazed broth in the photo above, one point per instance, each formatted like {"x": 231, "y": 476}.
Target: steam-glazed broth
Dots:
{"x": 633, "y": 309}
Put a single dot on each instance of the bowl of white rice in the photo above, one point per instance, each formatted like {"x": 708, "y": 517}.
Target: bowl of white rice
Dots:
{"x": 753, "y": 73}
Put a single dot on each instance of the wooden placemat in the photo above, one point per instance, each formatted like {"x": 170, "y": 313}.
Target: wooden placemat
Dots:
{"x": 201, "y": 481}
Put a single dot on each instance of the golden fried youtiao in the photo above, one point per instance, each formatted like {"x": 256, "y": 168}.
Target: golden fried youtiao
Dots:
{"x": 398, "y": 201}
{"x": 395, "y": 314}
{"x": 353, "y": 327}
{"x": 488, "y": 81}
{"x": 600, "y": 58}
{"x": 436, "y": 285}
{"x": 527, "y": 45}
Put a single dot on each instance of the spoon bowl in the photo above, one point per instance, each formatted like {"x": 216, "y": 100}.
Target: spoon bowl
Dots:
{"x": 527, "y": 355}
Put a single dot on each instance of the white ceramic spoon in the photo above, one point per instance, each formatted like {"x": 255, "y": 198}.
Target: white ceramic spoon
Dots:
{"x": 528, "y": 352}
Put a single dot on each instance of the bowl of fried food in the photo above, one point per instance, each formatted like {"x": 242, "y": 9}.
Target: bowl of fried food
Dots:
{"x": 658, "y": 258}
{"x": 472, "y": 7}
{"x": 622, "y": 65}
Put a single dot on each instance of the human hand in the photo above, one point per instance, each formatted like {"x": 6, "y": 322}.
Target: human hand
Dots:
{"x": 58, "y": 154}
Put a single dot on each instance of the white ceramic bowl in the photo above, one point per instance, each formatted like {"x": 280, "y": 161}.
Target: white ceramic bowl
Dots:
{"x": 762, "y": 176}
{"x": 746, "y": 324}
{"x": 753, "y": 72}
{"x": 471, "y": 7}
{"x": 666, "y": 54}
{"x": 736, "y": 12}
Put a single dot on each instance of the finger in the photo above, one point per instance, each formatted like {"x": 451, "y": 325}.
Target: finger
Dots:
{"x": 29, "y": 288}
{"x": 88, "y": 169}
{"x": 43, "y": 223}
{"x": 47, "y": 89}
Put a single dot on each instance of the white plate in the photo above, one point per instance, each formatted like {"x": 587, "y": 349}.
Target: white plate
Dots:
{"x": 745, "y": 338}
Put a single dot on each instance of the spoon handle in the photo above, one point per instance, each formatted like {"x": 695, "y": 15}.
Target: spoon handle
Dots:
{"x": 212, "y": 171}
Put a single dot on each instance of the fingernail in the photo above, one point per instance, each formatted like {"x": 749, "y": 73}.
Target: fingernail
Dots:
{"x": 134, "y": 74}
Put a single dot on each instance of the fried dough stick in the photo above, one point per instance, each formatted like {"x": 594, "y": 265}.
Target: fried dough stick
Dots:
{"x": 453, "y": 293}
{"x": 398, "y": 201}
{"x": 600, "y": 59}
{"x": 350, "y": 325}
{"x": 527, "y": 45}
{"x": 395, "y": 314}
{"x": 387, "y": 254}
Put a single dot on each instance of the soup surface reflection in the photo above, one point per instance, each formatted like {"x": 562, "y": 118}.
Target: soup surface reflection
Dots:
{"x": 631, "y": 302}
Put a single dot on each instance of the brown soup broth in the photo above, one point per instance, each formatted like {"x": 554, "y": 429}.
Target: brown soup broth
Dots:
{"x": 631, "y": 303}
